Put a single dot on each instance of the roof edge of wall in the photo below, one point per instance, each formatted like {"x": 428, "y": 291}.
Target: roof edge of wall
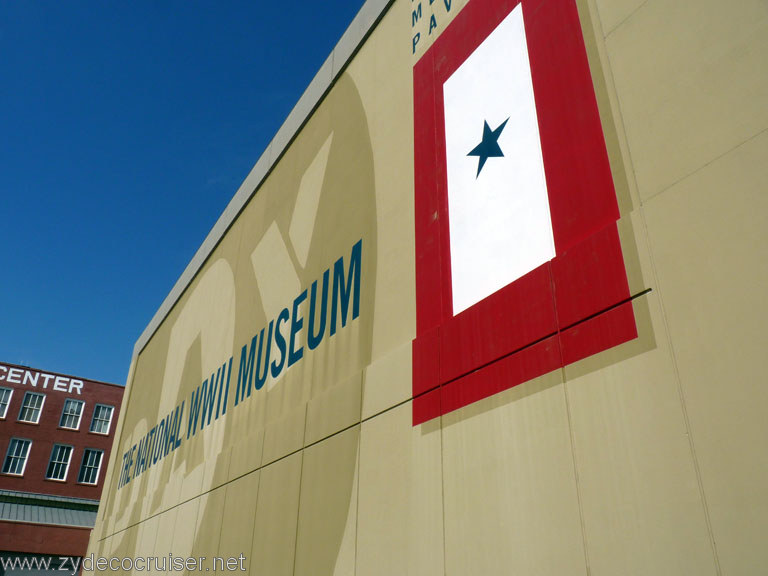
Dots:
{"x": 353, "y": 38}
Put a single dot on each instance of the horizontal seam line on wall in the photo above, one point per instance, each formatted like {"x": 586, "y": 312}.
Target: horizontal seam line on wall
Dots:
{"x": 275, "y": 461}
{"x": 363, "y": 420}
{"x": 705, "y": 165}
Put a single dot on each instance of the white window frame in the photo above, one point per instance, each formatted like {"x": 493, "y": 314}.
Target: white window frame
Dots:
{"x": 4, "y": 409}
{"x": 79, "y": 417}
{"x": 66, "y": 465}
{"x": 39, "y": 410}
{"x": 109, "y": 422}
{"x": 98, "y": 468}
{"x": 26, "y": 456}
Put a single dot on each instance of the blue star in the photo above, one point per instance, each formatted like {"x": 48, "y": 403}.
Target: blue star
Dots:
{"x": 489, "y": 146}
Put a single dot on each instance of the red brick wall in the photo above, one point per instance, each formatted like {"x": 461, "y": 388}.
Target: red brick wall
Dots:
{"x": 40, "y": 539}
{"x": 47, "y": 433}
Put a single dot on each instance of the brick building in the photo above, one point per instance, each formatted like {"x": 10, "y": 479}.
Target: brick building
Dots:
{"x": 56, "y": 433}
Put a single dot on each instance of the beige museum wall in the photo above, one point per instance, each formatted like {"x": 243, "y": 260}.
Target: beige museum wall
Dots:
{"x": 689, "y": 91}
{"x": 647, "y": 459}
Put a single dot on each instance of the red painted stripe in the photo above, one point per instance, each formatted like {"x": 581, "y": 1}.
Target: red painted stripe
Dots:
{"x": 590, "y": 277}
{"x": 426, "y": 361}
{"x": 537, "y": 360}
{"x": 426, "y": 407}
{"x": 600, "y": 333}
{"x": 581, "y": 194}
{"x": 428, "y": 299}
{"x": 511, "y": 318}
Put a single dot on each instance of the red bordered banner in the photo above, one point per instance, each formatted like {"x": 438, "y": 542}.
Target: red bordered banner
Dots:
{"x": 571, "y": 307}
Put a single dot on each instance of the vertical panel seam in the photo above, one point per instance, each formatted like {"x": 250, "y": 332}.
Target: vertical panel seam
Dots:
{"x": 298, "y": 507}
{"x": 574, "y": 460}
{"x": 625, "y": 19}
{"x": 442, "y": 491}
{"x": 631, "y": 173}
{"x": 684, "y": 408}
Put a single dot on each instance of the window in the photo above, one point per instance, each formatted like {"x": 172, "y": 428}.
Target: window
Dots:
{"x": 31, "y": 407}
{"x": 70, "y": 416}
{"x": 5, "y": 400}
{"x": 59, "y": 464}
{"x": 102, "y": 417}
{"x": 89, "y": 470}
{"x": 16, "y": 458}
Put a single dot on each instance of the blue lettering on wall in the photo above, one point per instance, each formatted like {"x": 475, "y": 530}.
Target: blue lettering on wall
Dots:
{"x": 296, "y": 324}
{"x": 261, "y": 376}
{"x": 342, "y": 292}
{"x": 314, "y": 339}
{"x": 345, "y": 307}
{"x": 245, "y": 374}
{"x": 277, "y": 367}
{"x": 194, "y": 409}
{"x": 208, "y": 401}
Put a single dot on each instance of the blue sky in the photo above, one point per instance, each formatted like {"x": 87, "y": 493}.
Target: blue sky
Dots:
{"x": 125, "y": 129}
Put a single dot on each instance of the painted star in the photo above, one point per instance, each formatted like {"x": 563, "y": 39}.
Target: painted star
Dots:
{"x": 489, "y": 146}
